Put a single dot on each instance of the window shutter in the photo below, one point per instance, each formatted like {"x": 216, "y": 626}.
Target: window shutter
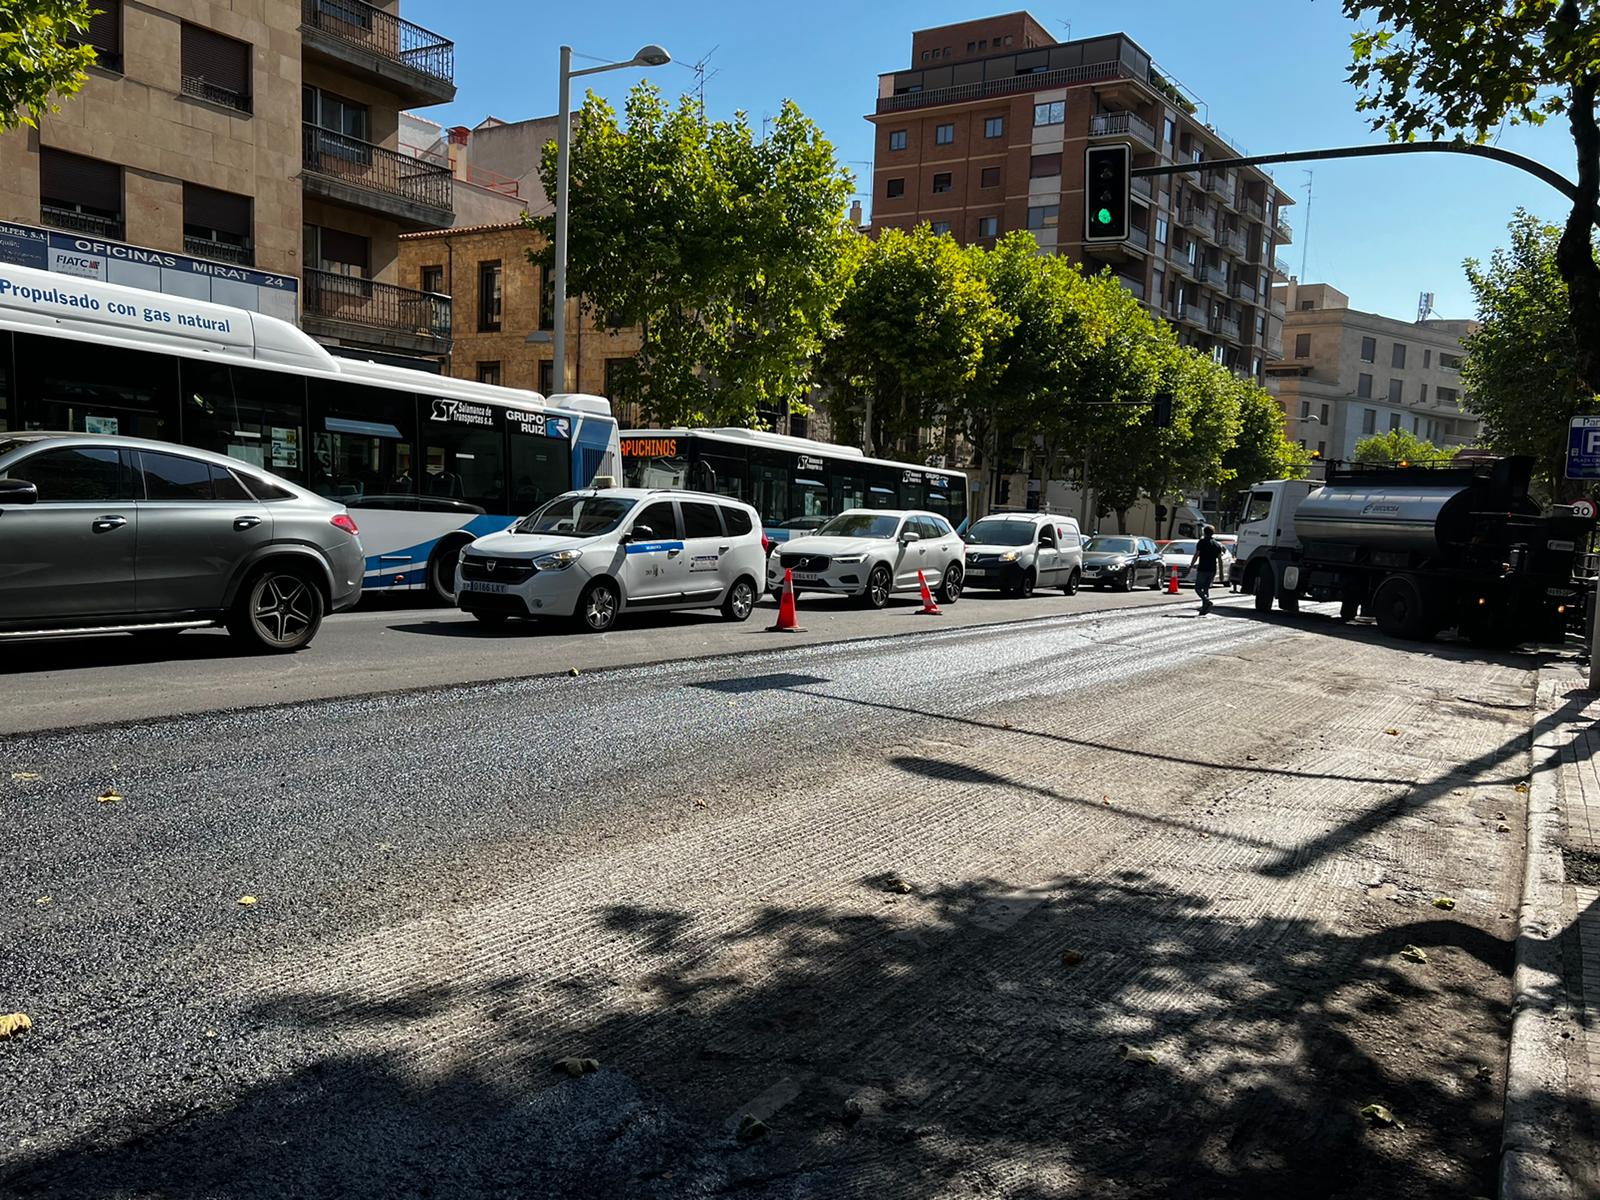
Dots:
{"x": 220, "y": 61}
{"x": 71, "y": 179}
{"x": 105, "y": 30}
{"x": 211, "y": 209}
{"x": 347, "y": 248}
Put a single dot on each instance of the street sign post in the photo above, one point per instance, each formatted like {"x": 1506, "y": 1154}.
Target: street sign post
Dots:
{"x": 1583, "y": 448}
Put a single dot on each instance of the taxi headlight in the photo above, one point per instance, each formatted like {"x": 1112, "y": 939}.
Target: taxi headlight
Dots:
{"x": 1009, "y": 556}
{"x": 559, "y": 561}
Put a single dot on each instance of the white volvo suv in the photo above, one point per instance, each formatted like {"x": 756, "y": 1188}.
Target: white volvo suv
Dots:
{"x": 595, "y": 554}
{"x": 873, "y": 553}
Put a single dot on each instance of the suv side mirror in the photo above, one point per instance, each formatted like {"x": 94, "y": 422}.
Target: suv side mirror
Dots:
{"x": 18, "y": 491}
{"x": 908, "y": 537}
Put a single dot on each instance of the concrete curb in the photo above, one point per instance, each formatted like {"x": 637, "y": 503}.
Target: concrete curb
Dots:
{"x": 1536, "y": 1069}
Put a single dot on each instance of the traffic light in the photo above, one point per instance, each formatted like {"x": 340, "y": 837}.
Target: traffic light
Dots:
{"x": 1161, "y": 402}
{"x": 1107, "y": 185}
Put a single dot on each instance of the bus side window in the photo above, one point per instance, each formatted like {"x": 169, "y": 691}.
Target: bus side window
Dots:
{"x": 541, "y": 467}
{"x": 89, "y": 388}
{"x": 364, "y": 441}
{"x": 848, "y": 491}
{"x": 770, "y": 494}
{"x": 8, "y": 420}
{"x": 255, "y": 416}
{"x": 465, "y": 460}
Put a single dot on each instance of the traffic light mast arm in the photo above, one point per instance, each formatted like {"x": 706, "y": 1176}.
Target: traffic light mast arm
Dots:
{"x": 1537, "y": 169}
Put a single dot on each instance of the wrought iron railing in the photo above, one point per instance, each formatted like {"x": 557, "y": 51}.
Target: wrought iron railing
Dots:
{"x": 1112, "y": 123}
{"x": 1136, "y": 286}
{"x": 384, "y": 34}
{"x": 1232, "y": 239}
{"x": 1242, "y": 289}
{"x": 1139, "y": 237}
{"x": 1284, "y": 230}
{"x": 1198, "y": 219}
{"x": 350, "y": 160}
{"x": 1228, "y": 327}
{"x": 78, "y": 221}
{"x": 194, "y": 85}
{"x": 336, "y": 297}
{"x": 1142, "y": 185}
{"x": 200, "y": 247}
{"x": 1065, "y": 76}
{"x": 1252, "y": 209}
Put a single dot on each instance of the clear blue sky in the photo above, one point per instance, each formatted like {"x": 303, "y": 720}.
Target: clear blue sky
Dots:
{"x": 1271, "y": 71}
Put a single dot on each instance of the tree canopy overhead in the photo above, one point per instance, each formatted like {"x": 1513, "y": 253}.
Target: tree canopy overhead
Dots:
{"x": 40, "y": 56}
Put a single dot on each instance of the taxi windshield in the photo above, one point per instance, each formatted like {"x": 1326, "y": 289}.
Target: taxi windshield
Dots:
{"x": 576, "y": 516}
{"x": 1110, "y": 545}
{"x": 1001, "y": 533}
{"x": 860, "y": 525}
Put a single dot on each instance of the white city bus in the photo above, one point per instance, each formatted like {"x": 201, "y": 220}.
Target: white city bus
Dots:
{"x": 796, "y": 484}
{"x": 424, "y": 463}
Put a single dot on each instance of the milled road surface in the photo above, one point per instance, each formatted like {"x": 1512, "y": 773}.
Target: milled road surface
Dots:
{"x": 1100, "y": 905}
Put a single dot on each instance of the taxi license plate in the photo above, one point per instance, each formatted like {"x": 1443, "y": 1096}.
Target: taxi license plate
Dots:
{"x": 807, "y": 577}
{"x": 475, "y": 585}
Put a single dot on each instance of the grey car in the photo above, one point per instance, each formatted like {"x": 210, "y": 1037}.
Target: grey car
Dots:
{"x": 1121, "y": 562}
{"x": 107, "y": 534}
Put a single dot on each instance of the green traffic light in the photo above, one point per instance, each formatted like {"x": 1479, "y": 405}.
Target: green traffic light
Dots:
{"x": 1103, "y": 216}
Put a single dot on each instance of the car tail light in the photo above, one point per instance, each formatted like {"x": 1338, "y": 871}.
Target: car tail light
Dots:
{"x": 766, "y": 544}
{"x": 345, "y": 522}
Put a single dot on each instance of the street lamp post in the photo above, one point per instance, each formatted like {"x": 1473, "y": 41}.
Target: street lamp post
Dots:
{"x": 648, "y": 56}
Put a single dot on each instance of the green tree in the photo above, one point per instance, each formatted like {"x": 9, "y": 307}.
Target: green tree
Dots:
{"x": 1262, "y": 449}
{"x": 40, "y": 57}
{"x": 1438, "y": 67}
{"x": 1521, "y": 372}
{"x": 915, "y": 324}
{"x": 731, "y": 252}
{"x": 1398, "y": 446}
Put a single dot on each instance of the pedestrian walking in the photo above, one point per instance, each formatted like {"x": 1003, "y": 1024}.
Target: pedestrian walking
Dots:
{"x": 1207, "y": 554}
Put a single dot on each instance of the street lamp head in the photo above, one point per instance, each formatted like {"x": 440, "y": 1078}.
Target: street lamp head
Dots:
{"x": 651, "y": 56}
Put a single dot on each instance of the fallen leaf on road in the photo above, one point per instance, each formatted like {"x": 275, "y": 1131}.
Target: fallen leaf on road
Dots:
{"x": 1414, "y": 954}
{"x": 894, "y": 882}
{"x": 211, "y": 1033}
{"x": 24, "y": 776}
{"x": 1484, "y": 1075}
{"x": 573, "y": 671}
{"x": 14, "y": 1023}
{"x": 576, "y": 1066}
{"x": 1071, "y": 958}
{"x": 1502, "y": 828}
{"x": 700, "y": 804}
{"x": 110, "y": 796}
{"x": 1523, "y": 787}
{"x": 247, "y": 901}
{"x": 1500, "y": 816}
{"x": 1444, "y": 902}
{"x": 750, "y": 1128}
{"x": 1377, "y": 1114}
{"x": 1250, "y": 758}
{"x": 1392, "y": 732}
{"x": 42, "y": 900}
{"x": 1134, "y": 1054}
{"x": 1106, "y": 800}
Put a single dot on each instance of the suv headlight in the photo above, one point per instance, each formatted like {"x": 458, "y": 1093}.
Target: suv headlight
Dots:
{"x": 558, "y": 561}
{"x": 849, "y": 559}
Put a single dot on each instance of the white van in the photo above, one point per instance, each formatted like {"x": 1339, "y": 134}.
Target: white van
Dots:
{"x": 1019, "y": 551}
{"x": 594, "y": 554}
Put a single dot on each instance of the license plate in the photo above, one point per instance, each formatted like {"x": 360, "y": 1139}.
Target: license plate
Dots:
{"x": 475, "y": 585}
{"x": 976, "y": 572}
{"x": 807, "y": 577}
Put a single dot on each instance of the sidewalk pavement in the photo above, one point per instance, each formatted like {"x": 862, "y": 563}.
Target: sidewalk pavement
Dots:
{"x": 1552, "y": 1122}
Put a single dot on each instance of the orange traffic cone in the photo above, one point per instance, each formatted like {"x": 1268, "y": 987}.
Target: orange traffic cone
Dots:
{"x": 788, "y": 620}
{"x": 1172, "y": 583}
{"x": 929, "y": 608}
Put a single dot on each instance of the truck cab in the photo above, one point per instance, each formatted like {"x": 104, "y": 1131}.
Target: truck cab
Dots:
{"x": 1266, "y": 523}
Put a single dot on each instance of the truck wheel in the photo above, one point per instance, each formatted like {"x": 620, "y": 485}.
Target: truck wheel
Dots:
{"x": 1349, "y": 608}
{"x": 1400, "y": 610}
{"x": 1262, "y": 588}
{"x": 1289, "y": 604}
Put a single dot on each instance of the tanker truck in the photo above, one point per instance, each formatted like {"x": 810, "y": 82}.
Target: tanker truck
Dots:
{"x": 1419, "y": 548}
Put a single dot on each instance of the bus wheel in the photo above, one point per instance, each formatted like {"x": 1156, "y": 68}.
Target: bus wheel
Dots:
{"x": 441, "y": 581}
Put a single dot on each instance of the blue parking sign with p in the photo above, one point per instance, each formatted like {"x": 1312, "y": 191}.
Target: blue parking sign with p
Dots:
{"x": 1583, "y": 448}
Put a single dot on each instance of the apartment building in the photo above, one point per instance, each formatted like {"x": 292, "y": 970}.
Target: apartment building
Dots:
{"x": 1347, "y": 374}
{"x": 985, "y": 133}
{"x": 245, "y": 151}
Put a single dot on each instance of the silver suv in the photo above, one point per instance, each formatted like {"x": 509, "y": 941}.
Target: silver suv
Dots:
{"x": 109, "y": 534}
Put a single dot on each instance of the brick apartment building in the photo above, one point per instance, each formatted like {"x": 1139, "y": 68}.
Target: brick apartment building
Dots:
{"x": 246, "y": 152}
{"x": 985, "y": 133}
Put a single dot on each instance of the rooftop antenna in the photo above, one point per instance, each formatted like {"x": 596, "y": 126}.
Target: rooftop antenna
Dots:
{"x": 700, "y": 76}
{"x": 1425, "y": 308}
{"x": 1305, "y": 231}
{"x": 1067, "y": 25}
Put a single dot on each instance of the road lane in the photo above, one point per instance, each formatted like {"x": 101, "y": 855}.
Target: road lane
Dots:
{"x": 684, "y": 871}
{"x": 398, "y": 645}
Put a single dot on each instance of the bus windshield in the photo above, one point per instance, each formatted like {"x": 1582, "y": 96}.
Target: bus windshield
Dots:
{"x": 990, "y": 532}
{"x": 576, "y": 516}
{"x": 1110, "y": 545}
{"x": 860, "y": 525}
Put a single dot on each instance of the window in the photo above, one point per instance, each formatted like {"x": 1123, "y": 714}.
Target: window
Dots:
{"x": 82, "y": 194}
{"x": 737, "y": 521}
{"x": 1322, "y": 449}
{"x": 894, "y": 187}
{"x": 217, "y": 224}
{"x": 1364, "y": 386}
{"x": 1308, "y": 305}
{"x": 1305, "y": 409}
{"x": 940, "y": 228}
{"x": 1395, "y": 386}
{"x": 1423, "y": 396}
{"x": 1445, "y": 395}
{"x": 104, "y": 388}
{"x": 489, "y": 296}
{"x": 1161, "y": 230}
{"x": 897, "y": 139}
{"x": 216, "y": 68}
{"x": 1394, "y": 422}
{"x": 337, "y": 252}
{"x": 944, "y": 135}
{"x": 336, "y": 115}
{"x": 1427, "y": 357}
{"x": 1053, "y": 113}
{"x": 1449, "y": 362}
{"x": 547, "y": 376}
{"x": 989, "y": 177}
{"x": 941, "y": 182}
{"x": 105, "y": 35}
{"x": 659, "y": 519}
{"x": 1043, "y": 166}
{"x": 363, "y": 441}
{"x": 171, "y": 477}
{"x": 1397, "y": 359}
{"x": 66, "y": 476}
{"x": 1369, "y": 420}
{"x": 1302, "y": 341}
{"x": 1416, "y": 424}
{"x": 255, "y": 416}
{"x": 433, "y": 280}
{"x": 700, "y": 520}
{"x": 1043, "y": 216}
{"x": 988, "y": 227}
{"x": 1170, "y": 131}
{"x": 1323, "y": 413}
{"x": 489, "y": 372}
{"x": 994, "y": 127}
{"x": 1369, "y": 350}
{"x": 971, "y": 46}
{"x": 464, "y": 454}
{"x": 547, "y": 297}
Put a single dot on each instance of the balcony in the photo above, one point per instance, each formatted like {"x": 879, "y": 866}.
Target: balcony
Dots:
{"x": 1188, "y": 313}
{"x": 415, "y": 63}
{"x": 216, "y": 251}
{"x": 1124, "y": 124}
{"x": 1136, "y": 286}
{"x": 196, "y": 86}
{"x": 1280, "y": 309}
{"x": 964, "y": 93}
{"x": 76, "y": 221}
{"x": 1218, "y": 183}
{"x": 1143, "y": 187}
{"x": 1227, "y": 327}
{"x": 357, "y": 174}
{"x": 1273, "y": 347}
{"x": 1252, "y": 209}
{"x": 1198, "y": 221}
{"x": 1284, "y": 231}
{"x": 366, "y": 312}
{"x": 1216, "y": 274}
{"x": 1242, "y": 289}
